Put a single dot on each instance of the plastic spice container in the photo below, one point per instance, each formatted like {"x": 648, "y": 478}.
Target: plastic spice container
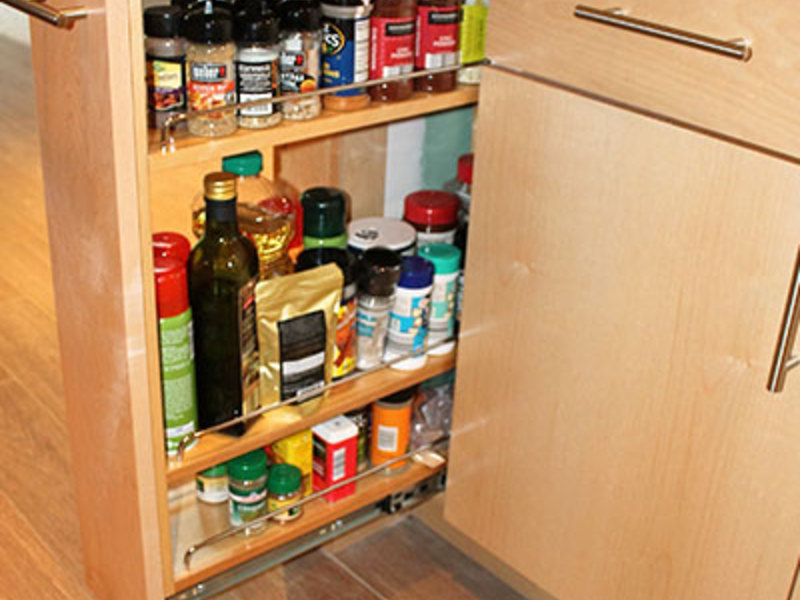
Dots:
{"x": 446, "y": 261}
{"x": 285, "y": 487}
{"x": 461, "y": 186}
{"x": 472, "y": 38}
{"x": 381, "y": 232}
{"x": 408, "y": 320}
{"x": 212, "y": 485}
{"x": 301, "y": 46}
{"x": 437, "y": 43}
{"x": 209, "y": 67}
{"x": 378, "y": 275}
{"x": 392, "y": 38}
{"x": 166, "y": 58}
{"x": 434, "y": 214}
{"x": 344, "y": 351}
{"x": 257, "y": 68}
{"x": 335, "y": 456}
{"x": 360, "y": 419}
{"x": 297, "y": 450}
{"x": 345, "y": 51}
{"x": 324, "y": 215}
{"x": 391, "y": 430}
{"x": 247, "y": 487}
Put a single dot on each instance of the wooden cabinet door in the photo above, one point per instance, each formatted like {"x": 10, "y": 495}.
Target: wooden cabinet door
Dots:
{"x": 626, "y": 279}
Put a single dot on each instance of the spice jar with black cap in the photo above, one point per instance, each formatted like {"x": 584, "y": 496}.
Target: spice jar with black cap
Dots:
{"x": 165, "y": 51}
{"x": 301, "y": 47}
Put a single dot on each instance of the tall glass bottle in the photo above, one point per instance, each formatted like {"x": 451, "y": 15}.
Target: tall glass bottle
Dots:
{"x": 223, "y": 270}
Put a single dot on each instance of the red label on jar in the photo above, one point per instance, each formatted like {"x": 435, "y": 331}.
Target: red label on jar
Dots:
{"x": 437, "y": 37}
{"x": 391, "y": 46}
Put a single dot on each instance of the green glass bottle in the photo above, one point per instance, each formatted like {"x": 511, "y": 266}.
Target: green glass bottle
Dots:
{"x": 223, "y": 270}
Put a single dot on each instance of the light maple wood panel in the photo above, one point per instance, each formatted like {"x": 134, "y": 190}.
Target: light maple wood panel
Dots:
{"x": 613, "y": 438}
{"x": 757, "y": 101}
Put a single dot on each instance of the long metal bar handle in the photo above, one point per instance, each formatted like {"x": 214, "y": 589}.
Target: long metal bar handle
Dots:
{"x": 232, "y": 531}
{"x": 783, "y": 360}
{"x": 58, "y": 17}
{"x": 738, "y": 48}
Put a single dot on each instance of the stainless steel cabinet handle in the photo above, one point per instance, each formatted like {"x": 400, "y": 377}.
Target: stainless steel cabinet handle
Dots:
{"x": 783, "y": 359}
{"x": 59, "y": 17}
{"x": 615, "y": 17}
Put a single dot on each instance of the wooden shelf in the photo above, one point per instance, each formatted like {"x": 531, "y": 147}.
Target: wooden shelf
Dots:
{"x": 216, "y": 448}
{"x": 192, "y": 521}
{"x": 190, "y": 149}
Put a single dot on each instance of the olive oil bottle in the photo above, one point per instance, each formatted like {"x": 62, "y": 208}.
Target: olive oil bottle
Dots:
{"x": 223, "y": 271}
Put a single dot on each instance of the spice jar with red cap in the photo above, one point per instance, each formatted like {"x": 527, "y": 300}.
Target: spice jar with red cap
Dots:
{"x": 434, "y": 214}
{"x": 461, "y": 186}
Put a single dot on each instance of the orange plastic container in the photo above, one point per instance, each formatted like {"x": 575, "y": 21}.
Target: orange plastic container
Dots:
{"x": 391, "y": 429}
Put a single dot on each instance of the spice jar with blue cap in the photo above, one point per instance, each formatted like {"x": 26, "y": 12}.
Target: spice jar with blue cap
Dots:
{"x": 446, "y": 261}
{"x": 408, "y": 321}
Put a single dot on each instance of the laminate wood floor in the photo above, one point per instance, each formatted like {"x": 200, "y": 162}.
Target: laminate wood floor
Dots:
{"x": 39, "y": 537}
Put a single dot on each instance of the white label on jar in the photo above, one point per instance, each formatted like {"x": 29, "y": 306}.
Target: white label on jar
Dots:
{"x": 339, "y": 461}
{"x": 256, "y": 81}
{"x": 444, "y": 237}
{"x": 387, "y": 438}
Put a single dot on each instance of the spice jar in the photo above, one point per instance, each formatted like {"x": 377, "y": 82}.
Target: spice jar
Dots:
{"x": 392, "y": 39}
{"x": 437, "y": 43}
{"x": 408, "y": 320}
{"x": 212, "y": 485}
{"x": 378, "y": 275}
{"x": 285, "y": 487}
{"x": 391, "y": 430}
{"x": 257, "y": 68}
{"x": 297, "y": 450}
{"x": 324, "y": 216}
{"x": 301, "y": 46}
{"x": 434, "y": 214}
{"x": 472, "y": 39}
{"x": 360, "y": 418}
{"x": 247, "y": 487}
{"x": 381, "y": 232}
{"x": 446, "y": 261}
{"x": 345, "y": 51}
{"x": 209, "y": 67}
{"x": 166, "y": 57}
{"x": 168, "y": 244}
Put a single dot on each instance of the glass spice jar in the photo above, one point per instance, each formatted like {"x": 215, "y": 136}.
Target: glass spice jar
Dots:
{"x": 285, "y": 487}
{"x": 209, "y": 67}
{"x": 166, "y": 69}
{"x": 392, "y": 39}
{"x": 437, "y": 43}
{"x": 301, "y": 51}
{"x": 247, "y": 488}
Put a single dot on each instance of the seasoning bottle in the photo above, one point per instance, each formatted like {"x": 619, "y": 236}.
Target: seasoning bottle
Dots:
{"x": 381, "y": 232}
{"x": 335, "y": 456}
{"x": 285, "y": 487}
{"x": 446, "y": 261}
{"x": 345, "y": 51}
{"x": 408, "y": 320}
{"x": 297, "y": 450}
{"x": 301, "y": 47}
{"x": 391, "y": 430}
{"x": 472, "y": 39}
{"x": 437, "y": 43}
{"x": 257, "y": 67}
{"x": 209, "y": 67}
{"x": 169, "y": 244}
{"x": 360, "y": 419}
{"x": 212, "y": 485}
{"x": 166, "y": 57}
{"x": 223, "y": 271}
{"x": 379, "y": 273}
{"x": 324, "y": 216}
{"x": 178, "y": 386}
{"x": 392, "y": 39}
{"x": 434, "y": 214}
{"x": 344, "y": 351}
{"x": 461, "y": 186}
{"x": 247, "y": 487}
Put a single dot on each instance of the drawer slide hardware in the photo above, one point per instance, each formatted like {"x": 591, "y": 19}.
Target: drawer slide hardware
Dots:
{"x": 783, "y": 360}
{"x": 738, "y": 48}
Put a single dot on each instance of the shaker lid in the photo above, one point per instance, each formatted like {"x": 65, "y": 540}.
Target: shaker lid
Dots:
{"x": 162, "y": 21}
{"x": 255, "y": 27}
{"x": 247, "y": 163}
{"x": 432, "y": 207}
{"x": 248, "y": 466}
{"x": 311, "y": 258}
{"x": 172, "y": 292}
{"x": 446, "y": 258}
{"x": 417, "y": 272}
{"x": 324, "y": 212}
{"x": 299, "y": 15}
{"x": 375, "y": 232}
{"x": 465, "y": 163}
{"x": 208, "y": 24}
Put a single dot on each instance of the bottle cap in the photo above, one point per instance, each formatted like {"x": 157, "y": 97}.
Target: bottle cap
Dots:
{"x": 162, "y": 21}
{"x": 248, "y": 163}
{"x": 381, "y": 232}
{"x": 446, "y": 259}
{"x": 215, "y": 471}
{"x": 249, "y": 26}
{"x": 379, "y": 272}
{"x": 417, "y": 273}
{"x": 220, "y": 186}
{"x": 299, "y": 15}
{"x": 248, "y": 466}
{"x": 284, "y": 479}
{"x": 324, "y": 213}
{"x": 399, "y": 399}
{"x": 465, "y": 168}
{"x": 432, "y": 207}
{"x": 208, "y": 27}
{"x": 311, "y": 258}
{"x": 168, "y": 244}
{"x": 172, "y": 291}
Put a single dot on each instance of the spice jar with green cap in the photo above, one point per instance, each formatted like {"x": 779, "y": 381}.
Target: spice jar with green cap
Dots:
{"x": 324, "y": 218}
{"x": 285, "y": 487}
{"x": 212, "y": 485}
{"x": 446, "y": 261}
{"x": 247, "y": 487}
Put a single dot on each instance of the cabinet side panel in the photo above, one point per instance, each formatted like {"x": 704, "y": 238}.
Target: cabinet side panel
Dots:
{"x": 613, "y": 438}
{"x": 89, "y": 89}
